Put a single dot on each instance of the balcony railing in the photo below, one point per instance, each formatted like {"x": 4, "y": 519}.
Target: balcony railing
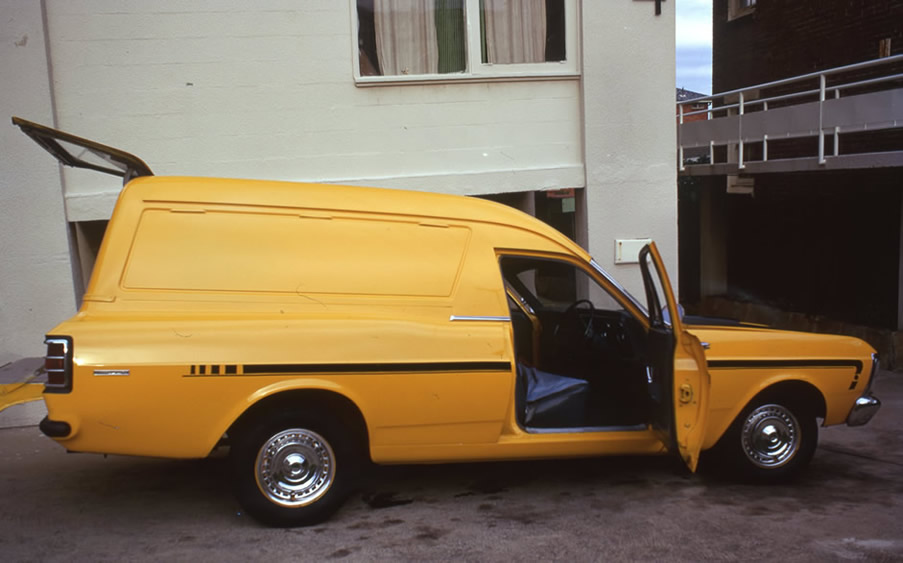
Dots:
{"x": 845, "y": 117}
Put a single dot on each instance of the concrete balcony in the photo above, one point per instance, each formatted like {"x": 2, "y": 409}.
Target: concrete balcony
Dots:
{"x": 843, "y": 118}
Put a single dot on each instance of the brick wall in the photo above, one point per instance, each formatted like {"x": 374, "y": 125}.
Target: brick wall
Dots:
{"x": 784, "y": 38}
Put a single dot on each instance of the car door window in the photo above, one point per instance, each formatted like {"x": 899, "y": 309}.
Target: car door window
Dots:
{"x": 556, "y": 285}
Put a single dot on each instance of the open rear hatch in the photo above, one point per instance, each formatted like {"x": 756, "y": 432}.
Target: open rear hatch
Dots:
{"x": 82, "y": 153}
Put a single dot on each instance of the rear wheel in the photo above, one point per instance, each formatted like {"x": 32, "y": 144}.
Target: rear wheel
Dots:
{"x": 294, "y": 468}
{"x": 772, "y": 440}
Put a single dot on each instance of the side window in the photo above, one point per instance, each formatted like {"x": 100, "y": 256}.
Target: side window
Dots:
{"x": 555, "y": 285}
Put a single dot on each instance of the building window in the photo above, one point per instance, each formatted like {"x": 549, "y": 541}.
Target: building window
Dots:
{"x": 739, "y": 8}
{"x": 400, "y": 40}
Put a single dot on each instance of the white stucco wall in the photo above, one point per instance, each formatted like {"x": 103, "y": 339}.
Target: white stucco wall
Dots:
{"x": 35, "y": 275}
{"x": 243, "y": 90}
{"x": 628, "y": 97}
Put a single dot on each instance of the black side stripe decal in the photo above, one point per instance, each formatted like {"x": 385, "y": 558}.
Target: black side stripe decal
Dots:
{"x": 276, "y": 369}
{"x": 267, "y": 369}
{"x": 760, "y": 364}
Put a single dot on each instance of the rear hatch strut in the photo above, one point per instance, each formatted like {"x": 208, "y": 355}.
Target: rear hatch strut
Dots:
{"x": 73, "y": 151}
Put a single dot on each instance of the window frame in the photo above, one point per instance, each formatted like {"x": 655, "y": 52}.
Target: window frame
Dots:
{"x": 477, "y": 71}
{"x": 739, "y": 8}
{"x": 591, "y": 269}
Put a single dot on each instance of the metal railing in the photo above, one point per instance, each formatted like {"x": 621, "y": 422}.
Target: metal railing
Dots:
{"x": 739, "y": 117}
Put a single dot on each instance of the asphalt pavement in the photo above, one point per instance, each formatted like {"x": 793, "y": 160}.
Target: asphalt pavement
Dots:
{"x": 848, "y": 506}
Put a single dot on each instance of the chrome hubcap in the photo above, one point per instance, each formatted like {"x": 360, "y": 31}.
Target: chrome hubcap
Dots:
{"x": 770, "y": 436}
{"x": 295, "y": 467}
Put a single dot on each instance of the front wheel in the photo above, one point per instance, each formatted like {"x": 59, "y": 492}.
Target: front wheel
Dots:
{"x": 770, "y": 441}
{"x": 293, "y": 469}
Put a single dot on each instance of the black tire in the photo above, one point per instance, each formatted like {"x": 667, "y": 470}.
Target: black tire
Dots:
{"x": 294, "y": 467}
{"x": 771, "y": 441}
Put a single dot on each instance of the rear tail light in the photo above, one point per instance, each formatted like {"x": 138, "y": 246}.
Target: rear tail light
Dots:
{"x": 58, "y": 364}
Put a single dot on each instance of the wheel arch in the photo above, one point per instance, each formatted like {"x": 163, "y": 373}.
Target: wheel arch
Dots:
{"x": 321, "y": 399}
{"x": 800, "y": 392}
{"x": 805, "y": 402}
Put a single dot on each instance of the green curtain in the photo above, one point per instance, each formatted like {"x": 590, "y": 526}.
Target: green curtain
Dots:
{"x": 484, "y": 51}
{"x": 450, "y": 36}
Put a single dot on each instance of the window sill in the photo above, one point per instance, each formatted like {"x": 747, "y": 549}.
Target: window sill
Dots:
{"x": 370, "y": 81}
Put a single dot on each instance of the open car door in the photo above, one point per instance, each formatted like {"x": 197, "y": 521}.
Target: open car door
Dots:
{"x": 677, "y": 375}
{"x": 83, "y": 153}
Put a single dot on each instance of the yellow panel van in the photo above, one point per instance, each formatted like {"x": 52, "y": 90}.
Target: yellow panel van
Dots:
{"x": 317, "y": 328}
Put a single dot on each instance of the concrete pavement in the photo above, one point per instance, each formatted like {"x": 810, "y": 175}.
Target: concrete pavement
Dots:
{"x": 849, "y": 505}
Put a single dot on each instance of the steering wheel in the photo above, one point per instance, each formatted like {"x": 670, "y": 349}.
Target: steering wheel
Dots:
{"x": 571, "y": 317}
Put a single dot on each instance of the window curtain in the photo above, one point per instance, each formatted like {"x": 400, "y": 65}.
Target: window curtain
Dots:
{"x": 450, "y": 34}
{"x": 406, "y": 41}
{"x": 514, "y": 31}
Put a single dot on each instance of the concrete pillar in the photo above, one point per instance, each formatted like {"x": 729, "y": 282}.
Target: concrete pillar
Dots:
{"x": 630, "y": 152}
{"x": 712, "y": 240}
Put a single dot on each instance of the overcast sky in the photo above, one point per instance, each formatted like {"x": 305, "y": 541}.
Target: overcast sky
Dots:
{"x": 694, "y": 45}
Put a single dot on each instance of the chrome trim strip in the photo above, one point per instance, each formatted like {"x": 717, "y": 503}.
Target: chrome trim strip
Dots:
{"x": 111, "y": 372}
{"x": 875, "y": 361}
{"x": 619, "y": 287}
{"x": 519, "y": 299}
{"x": 583, "y": 429}
{"x": 479, "y": 318}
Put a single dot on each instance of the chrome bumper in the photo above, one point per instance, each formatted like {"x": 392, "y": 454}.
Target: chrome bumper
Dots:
{"x": 865, "y": 408}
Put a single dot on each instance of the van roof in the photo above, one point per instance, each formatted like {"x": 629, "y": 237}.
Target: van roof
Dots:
{"x": 332, "y": 197}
